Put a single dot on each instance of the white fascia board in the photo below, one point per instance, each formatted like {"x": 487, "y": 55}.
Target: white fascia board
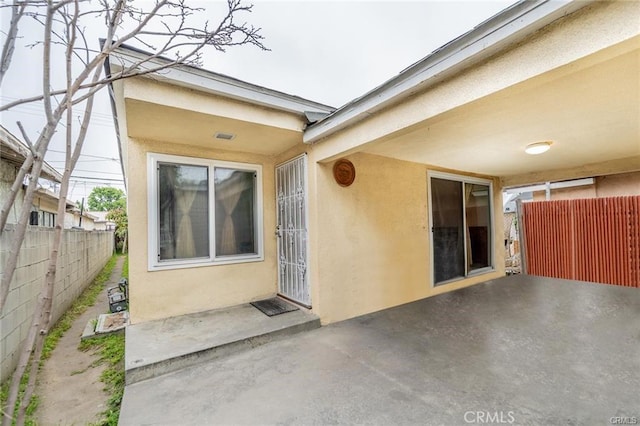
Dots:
{"x": 217, "y": 84}
{"x": 552, "y": 185}
{"x": 493, "y": 35}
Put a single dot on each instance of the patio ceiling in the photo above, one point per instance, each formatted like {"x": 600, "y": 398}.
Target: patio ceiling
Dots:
{"x": 589, "y": 109}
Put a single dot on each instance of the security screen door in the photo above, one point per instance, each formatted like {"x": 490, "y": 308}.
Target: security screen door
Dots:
{"x": 291, "y": 230}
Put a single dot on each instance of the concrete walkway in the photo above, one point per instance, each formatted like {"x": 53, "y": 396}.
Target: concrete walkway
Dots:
{"x": 69, "y": 383}
{"x": 523, "y": 350}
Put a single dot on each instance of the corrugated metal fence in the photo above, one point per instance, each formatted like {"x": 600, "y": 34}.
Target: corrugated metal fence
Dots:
{"x": 589, "y": 240}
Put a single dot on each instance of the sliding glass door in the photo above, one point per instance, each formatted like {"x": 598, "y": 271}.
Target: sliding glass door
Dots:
{"x": 448, "y": 225}
{"x": 460, "y": 225}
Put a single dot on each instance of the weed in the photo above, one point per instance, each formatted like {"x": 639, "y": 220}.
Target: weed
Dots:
{"x": 110, "y": 349}
{"x": 125, "y": 268}
{"x": 33, "y": 403}
{"x": 86, "y": 299}
{"x": 76, "y": 372}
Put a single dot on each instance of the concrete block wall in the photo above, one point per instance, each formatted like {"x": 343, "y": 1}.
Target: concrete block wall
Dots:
{"x": 83, "y": 255}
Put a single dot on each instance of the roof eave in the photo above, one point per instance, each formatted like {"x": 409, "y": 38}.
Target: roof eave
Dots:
{"x": 502, "y": 30}
{"x": 21, "y": 151}
{"x": 218, "y": 84}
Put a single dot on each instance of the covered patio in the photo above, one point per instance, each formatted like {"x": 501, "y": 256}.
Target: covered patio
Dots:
{"x": 520, "y": 349}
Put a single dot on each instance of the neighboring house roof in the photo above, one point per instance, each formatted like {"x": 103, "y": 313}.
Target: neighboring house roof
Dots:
{"x": 88, "y": 215}
{"x": 14, "y": 151}
{"x": 100, "y": 217}
{"x": 493, "y": 35}
{"x": 46, "y": 194}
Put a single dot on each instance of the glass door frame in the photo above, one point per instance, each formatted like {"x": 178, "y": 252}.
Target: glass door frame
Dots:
{"x": 491, "y": 234}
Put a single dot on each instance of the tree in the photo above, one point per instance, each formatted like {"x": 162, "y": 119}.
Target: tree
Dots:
{"x": 119, "y": 217}
{"x": 106, "y": 198}
{"x": 162, "y": 27}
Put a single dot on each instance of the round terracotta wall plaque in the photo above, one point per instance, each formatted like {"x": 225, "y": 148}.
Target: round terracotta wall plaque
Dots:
{"x": 344, "y": 172}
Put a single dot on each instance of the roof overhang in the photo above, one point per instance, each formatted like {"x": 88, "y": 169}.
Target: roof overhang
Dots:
{"x": 589, "y": 109}
{"x": 53, "y": 198}
{"x": 205, "y": 81}
{"x": 573, "y": 82}
{"x": 186, "y": 105}
{"x": 494, "y": 35}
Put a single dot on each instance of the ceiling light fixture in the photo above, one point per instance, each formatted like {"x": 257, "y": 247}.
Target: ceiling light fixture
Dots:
{"x": 538, "y": 147}
{"x": 225, "y": 136}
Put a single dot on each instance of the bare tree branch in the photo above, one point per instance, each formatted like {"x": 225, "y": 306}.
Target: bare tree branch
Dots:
{"x": 61, "y": 21}
{"x": 196, "y": 39}
{"x": 46, "y": 61}
{"x": 17, "y": 11}
{"x": 26, "y": 138}
{"x": 46, "y": 296}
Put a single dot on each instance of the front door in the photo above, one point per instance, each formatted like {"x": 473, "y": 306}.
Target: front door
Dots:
{"x": 291, "y": 230}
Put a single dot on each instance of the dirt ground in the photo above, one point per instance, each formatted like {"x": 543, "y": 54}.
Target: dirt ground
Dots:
{"x": 69, "y": 388}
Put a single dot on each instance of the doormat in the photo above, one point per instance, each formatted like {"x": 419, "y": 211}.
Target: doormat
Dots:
{"x": 275, "y": 306}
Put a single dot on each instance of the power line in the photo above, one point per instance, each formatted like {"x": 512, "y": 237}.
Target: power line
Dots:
{"x": 100, "y": 179}
{"x": 96, "y": 121}
{"x": 31, "y": 105}
{"x": 85, "y": 155}
{"x": 96, "y": 171}
{"x": 82, "y": 161}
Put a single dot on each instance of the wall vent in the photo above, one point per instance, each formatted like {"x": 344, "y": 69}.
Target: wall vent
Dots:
{"x": 225, "y": 136}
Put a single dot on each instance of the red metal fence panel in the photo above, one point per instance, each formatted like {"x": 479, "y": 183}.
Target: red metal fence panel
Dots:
{"x": 595, "y": 239}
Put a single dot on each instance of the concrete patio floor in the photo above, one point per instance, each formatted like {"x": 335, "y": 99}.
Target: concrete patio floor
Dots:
{"x": 158, "y": 347}
{"x": 522, "y": 349}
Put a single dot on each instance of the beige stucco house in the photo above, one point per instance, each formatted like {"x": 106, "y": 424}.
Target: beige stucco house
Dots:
{"x": 232, "y": 194}
{"x": 100, "y": 222}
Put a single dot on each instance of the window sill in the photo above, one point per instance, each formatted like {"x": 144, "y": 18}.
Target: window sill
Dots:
{"x": 475, "y": 273}
{"x": 203, "y": 263}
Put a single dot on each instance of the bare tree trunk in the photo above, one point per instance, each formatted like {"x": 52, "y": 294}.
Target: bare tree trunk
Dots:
{"x": 17, "y": 11}
{"x": 17, "y": 375}
{"x": 38, "y": 322}
{"x": 44, "y": 319}
{"x": 71, "y": 159}
{"x": 227, "y": 33}
{"x": 124, "y": 242}
{"x": 20, "y": 229}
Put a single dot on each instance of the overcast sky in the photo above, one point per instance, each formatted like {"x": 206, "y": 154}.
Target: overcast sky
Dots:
{"x": 328, "y": 51}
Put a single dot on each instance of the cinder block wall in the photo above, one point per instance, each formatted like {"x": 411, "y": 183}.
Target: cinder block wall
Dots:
{"x": 83, "y": 255}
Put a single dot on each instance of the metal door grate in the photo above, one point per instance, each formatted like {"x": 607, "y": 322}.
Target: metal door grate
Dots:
{"x": 291, "y": 230}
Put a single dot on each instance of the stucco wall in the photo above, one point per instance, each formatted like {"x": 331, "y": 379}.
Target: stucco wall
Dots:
{"x": 7, "y": 176}
{"x": 45, "y": 204}
{"x": 166, "y": 293}
{"x": 72, "y": 219}
{"x": 616, "y": 185}
{"x": 373, "y": 242}
{"x": 83, "y": 255}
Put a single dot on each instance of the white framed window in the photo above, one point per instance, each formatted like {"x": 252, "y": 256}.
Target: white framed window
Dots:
{"x": 461, "y": 221}
{"x": 203, "y": 212}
